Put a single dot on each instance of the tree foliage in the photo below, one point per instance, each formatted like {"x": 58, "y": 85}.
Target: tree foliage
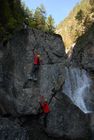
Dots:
{"x": 11, "y": 16}
{"x": 40, "y": 17}
{"x": 39, "y": 20}
{"x": 13, "y": 13}
{"x": 80, "y": 15}
{"x": 77, "y": 23}
{"x": 50, "y": 24}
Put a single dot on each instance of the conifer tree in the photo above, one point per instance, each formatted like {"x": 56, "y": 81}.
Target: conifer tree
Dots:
{"x": 39, "y": 17}
{"x": 50, "y": 24}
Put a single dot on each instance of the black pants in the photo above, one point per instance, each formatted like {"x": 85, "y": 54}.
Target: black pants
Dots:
{"x": 35, "y": 69}
{"x": 45, "y": 119}
{"x": 45, "y": 115}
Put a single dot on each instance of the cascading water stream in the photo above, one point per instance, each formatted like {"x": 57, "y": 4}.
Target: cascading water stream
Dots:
{"x": 77, "y": 88}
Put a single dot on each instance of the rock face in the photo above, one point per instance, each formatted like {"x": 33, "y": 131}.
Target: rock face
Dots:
{"x": 16, "y": 61}
{"x": 83, "y": 56}
{"x": 88, "y": 56}
{"x": 66, "y": 119}
{"x": 10, "y": 130}
{"x": 83, "y": 51}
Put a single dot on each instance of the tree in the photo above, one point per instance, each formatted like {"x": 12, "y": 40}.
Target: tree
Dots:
{"x": 91, "y": 2}
{"x": 50, "y": 24}
{"x": 14, "y": 12}
{"x": 40, "y": 17}
{"x": 79, "y": 16}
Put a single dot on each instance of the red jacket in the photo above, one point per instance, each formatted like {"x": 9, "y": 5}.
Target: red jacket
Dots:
{"x": 45, "y": 107}
{"x": 36, "y": 60}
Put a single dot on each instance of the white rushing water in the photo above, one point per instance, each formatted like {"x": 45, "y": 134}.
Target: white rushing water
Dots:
{"x": 77, "y": 87}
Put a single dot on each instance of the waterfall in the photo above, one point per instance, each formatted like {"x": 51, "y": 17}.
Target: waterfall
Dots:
{"x": 77, "y": 88}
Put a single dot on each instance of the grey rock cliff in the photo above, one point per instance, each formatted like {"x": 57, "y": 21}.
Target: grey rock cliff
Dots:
{"x": 16, "y": 61}
{"x": 10, "y": 130}
{"x": 83, "y": 51}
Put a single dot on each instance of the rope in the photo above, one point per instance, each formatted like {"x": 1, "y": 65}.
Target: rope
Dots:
{"x": 58, "y": 99}
{"x": 53, "y": 95}
{"x": 55, "y": 92}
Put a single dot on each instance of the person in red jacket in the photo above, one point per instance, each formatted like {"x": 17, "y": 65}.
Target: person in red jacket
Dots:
{"x": 45, "y": 109}
{"x": 36, "y": 63}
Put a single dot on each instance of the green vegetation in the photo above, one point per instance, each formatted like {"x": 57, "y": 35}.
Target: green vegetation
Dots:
{"x": 40, "y": 21}
{"x": 13, "y": 13}
{"x": 77, "y": 23}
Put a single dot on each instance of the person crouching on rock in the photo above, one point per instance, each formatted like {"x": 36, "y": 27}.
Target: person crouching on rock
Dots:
{"x": 36, "y": 64}
{"x": 45, "y": 109}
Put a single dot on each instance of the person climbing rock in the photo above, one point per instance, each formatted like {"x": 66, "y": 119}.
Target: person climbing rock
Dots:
{"x": 36, "y": 64}
{"x": 35, "y": 68}
{"x": 45, "y": 109}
